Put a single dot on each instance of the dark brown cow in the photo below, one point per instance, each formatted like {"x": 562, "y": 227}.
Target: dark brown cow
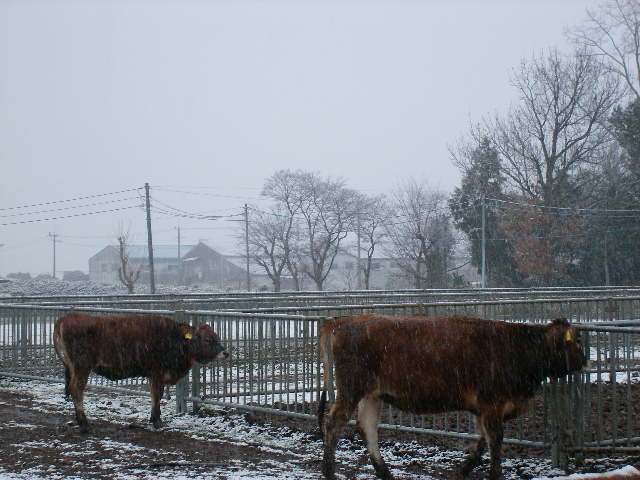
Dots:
{"x": 434, "y": 365}
{"x": 125, "y": 346}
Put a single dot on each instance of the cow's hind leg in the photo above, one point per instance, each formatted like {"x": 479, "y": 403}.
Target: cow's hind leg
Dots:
{"x": 67, "y": 380}
{"x": 495, "y": 433}
{"x": 334, "y": 423}
{"x": 157, "y": 388}
{"x": 368, "y": 417}
{"x": 475, "y": 456}
{"x": 77, "y": 383}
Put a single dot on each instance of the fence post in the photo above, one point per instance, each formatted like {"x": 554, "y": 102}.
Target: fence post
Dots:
{"x": 195, "y": 373}
{"x": 182, "y": 385}
{"x": 24, "y": 338}
{"x": 560, "y": 434}
{"x": 578, "y": 394}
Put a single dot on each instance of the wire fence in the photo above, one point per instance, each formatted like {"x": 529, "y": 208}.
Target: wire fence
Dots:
{"x": 274, "y": 366}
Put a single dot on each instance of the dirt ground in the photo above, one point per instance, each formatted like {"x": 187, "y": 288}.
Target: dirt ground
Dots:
{"x": 40, "y": 445}
{"x": 58, "y": 447}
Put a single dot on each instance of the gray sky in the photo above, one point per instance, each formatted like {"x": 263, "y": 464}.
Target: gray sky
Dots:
{"x": 205, "y": 100}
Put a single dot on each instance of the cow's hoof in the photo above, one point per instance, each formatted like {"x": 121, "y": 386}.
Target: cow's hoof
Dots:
{"x": 495, "y": 474}
{"x": 467, "y": 466}
{"x": 383, "y": 472}
{"x": 329, "y": 471}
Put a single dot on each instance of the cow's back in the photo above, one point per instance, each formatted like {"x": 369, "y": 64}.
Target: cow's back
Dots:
{"x": 417, "y": 363}
{"x": 117, "y": 346}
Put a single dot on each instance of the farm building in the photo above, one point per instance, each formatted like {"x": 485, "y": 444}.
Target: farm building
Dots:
{"x": 104, "y": 265}
{"x": 200, "y": 264}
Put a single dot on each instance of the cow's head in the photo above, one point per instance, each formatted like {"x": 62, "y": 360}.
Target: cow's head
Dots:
{"x": 206, "y": 346}
{"x": 565, "y": 350}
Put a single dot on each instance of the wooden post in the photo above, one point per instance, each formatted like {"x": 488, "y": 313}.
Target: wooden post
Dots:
{"x": 246, "y": 242}
{"x": 182, "y": 387}
{"x": 152, "y": 277}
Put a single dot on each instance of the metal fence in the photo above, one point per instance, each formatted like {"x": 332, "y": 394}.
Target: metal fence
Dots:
{"x": 242, "y": 301}
{"x": 274, "y": 367}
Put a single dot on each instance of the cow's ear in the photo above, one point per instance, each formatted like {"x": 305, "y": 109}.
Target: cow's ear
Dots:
{"x": 568, "y": 336}
{"x": 204, "y": 330}
{"x": 563, "y": 322}
{"x": 187, "y": 331}
{"x": 562, "y": 327}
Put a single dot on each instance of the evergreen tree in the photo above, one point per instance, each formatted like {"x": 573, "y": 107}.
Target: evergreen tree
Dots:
{"x": 481, "y": 179}
{"x": 626, "y": 129}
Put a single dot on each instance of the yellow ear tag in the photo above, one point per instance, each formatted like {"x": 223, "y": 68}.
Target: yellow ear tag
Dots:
{"x": 188, "y": 335}
{"x": 567, "y": 336}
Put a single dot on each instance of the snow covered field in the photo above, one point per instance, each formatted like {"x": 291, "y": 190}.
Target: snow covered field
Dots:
{"x": 48, "y": 286}
{"x": 295, "y": 453}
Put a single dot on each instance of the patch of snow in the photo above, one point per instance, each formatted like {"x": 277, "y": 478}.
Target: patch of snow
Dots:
{"x": 302, "y": 449}
{"x": 627, "y": 471}
{"x": 53, "y": 287}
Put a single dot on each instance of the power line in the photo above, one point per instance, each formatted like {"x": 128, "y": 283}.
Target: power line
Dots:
{"x": 218, "y": 195}
{"x": 37, "y": 220}
{"x": 71, "y": 199}
{"x": 574, "y": 209}
{"x": 184, "y": 212}
{"x": 74, "y": 207}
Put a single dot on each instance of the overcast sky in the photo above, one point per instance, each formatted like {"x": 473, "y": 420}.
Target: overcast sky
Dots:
{"x": 205, "y": 100}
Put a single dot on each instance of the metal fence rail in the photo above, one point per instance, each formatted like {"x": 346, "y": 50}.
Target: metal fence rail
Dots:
{"x": 274, "y": 367}
{"x": 524, "y": 306}
{"x": 243, "y": 300}
{"x": 577, "y": 310}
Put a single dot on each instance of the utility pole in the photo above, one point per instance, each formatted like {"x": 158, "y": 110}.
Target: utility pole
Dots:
{"x": 54, "y": 237}
{"x": 179, "y": 258}
{"x": 484, "y": 245}
{"x": 152, "y": 277}
{"x": 246, "y": 243}
{"x": 359, "y": 269}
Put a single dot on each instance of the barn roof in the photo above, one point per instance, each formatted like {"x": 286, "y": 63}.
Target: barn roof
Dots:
{"x": 159, "y": 251}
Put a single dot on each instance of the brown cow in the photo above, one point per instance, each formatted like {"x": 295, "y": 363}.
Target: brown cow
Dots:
{"x": 125, "y": 346}
{"x": 434, "y": 365}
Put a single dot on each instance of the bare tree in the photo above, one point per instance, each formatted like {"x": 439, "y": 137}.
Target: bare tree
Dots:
{"x": 127, "y": 274}
{"x": 612, "y": 33}
{"x": 325, "y": 210}
{"x": 420, "y": 237}
{"x": 282, "y": 187}
{"x": 269, "y": 242}
{"x": 372, "y": 216}
{"x": 557, "y": 128}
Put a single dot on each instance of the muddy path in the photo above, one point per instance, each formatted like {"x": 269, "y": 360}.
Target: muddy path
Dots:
{"x": 51, "y": 446}
{"x": 39, "y": 440}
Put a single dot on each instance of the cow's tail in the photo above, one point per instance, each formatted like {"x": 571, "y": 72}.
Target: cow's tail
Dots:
{"x": 61, "y": 350}
{"x": 322, "y": 411}
{"x": 326, "y": 353}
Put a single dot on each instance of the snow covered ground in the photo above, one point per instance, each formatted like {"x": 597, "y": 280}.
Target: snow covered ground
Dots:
{"x": 301, "y": 450}
{"x": 49, "y": 286}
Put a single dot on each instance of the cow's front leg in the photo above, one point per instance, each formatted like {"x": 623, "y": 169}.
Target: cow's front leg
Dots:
{"x": 157, "y": 387}
{"x": 475, "y": 456}
{"x": 495, "y": 434}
